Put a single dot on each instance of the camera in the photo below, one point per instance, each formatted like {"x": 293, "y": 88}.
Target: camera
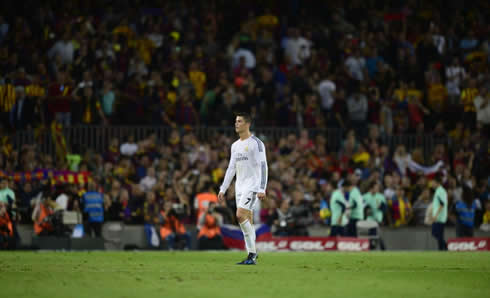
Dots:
{"x": 178, "y": 210}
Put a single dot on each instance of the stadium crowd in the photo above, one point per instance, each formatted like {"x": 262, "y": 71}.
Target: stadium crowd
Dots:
{"x": 368, "y": 68}
{"x": 142, "y": 182}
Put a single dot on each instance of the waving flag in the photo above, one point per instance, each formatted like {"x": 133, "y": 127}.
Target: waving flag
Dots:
{"x": 233, "y": 236}
{"x": 59, "y": 140}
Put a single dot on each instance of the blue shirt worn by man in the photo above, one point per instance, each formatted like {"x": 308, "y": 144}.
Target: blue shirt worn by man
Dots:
{"x": 94, "y": 206}
{"x": 465, "y": 213}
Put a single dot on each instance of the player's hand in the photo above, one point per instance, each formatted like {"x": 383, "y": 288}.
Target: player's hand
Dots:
{"x": 221, "y": 196}
{"x": 261, "y": 196}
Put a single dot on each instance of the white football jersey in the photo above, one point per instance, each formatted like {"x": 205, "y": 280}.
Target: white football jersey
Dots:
{"x": 248, "y": 161}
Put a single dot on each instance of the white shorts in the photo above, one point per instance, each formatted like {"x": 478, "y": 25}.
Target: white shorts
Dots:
{"x": 246, "y": 200}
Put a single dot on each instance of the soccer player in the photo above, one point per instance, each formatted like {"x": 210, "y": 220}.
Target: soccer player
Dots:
{"x": 338, "y": 207}
{"x": 357, "y": 209}
{"x": 248, "y": 161}
{"x": 376, "y": 202}
{"x": 439, "y": 212}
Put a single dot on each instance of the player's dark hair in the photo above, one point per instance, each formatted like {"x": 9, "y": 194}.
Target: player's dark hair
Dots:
{"x": 332, "y": 184}
{"x": 372, "y": 184}
{"x": 346, "y": 183}
{"x": 245, "y": 116}
{"x": 468, "y": 194}
{"x": 438, "y": 178}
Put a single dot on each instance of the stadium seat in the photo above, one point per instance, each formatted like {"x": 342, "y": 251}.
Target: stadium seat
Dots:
{"x": 369, "y": 229}
{"x": 112, "y": 234}
{"x": 71, "y": 218}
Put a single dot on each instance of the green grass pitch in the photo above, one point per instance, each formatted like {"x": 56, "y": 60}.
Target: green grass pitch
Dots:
{"x": 214, "y": 274}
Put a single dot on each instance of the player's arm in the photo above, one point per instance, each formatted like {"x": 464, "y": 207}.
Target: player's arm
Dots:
{"x": 261, "y": 159}
{"x": 230, "y": 173}
{"x": 343, "y": 209}
{"x": 382, "y": 205}
{"x": 354, "y": 204}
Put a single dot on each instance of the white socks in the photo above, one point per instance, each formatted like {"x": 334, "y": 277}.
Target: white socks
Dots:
{"x": 249, "y": 235}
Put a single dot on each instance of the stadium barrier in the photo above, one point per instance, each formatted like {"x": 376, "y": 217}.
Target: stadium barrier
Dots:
{"x": 468, "y": 244}
{"x": 97, "y": 138}
{"x": 61, "y": 243}
{"x": 118, "y": 236}
{"x": 233, "y": 239}
{"x": 313, "y": 244}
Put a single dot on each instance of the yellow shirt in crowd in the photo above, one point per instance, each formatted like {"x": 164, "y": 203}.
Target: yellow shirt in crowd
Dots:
{"x": 198, "y": 80}
{"x": 437, "y": 96}
{"x": 467, "y": 98}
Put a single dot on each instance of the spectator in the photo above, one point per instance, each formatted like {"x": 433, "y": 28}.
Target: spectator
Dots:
{"x": 416, "y": 109}
{"x": 112, "y": 154}
{"x": 340, "y": 111}
{"x": 42, "y": 216}
{"x": 420, "y": 207}
{"x": 324, "y": 212}
{"x": 27, "y": 198}
{"x": 482, "y": 107}
{"x": 426, "y": 51}
{"x": 358, "y": 111}
{"x": 268, "y": 210}
{"x": 455, "y": 75}
{"x": 125, "y": 212}
{"x": 62, "y": 200}
{"x": 468, "y": 42}
{"x": 373, "y": 61}
{"x": 301, "y": 215}
{"x": 93, "y": 209}
{"x": 245, "y": 55}
{"x": 464, "y": 210}
{"x": 400, "y": 208}
{"x": 7, "y": 102}
{"x": 198, "y": 79}
{"x": 389, "y": 190}
{"x": 282, "y": 220}
{"x": 149, "y": 181}
{"x": 7, "y": 239}
{"x": 227, "y": 213}
{"x": 108, "y": 100}
{"x": 136, "y": 204}
{"x": 74, "y": 158}
{"x": 204, "y": 199}
{"x": 297, "y": 48}
{"x": 130, "y": 147}
{"x": 7, "y": 196}
{"x": 63, "y": 48}
{"x": 326, "y": 88}
{"x": 437, "y": 96}
{"x": 186, "y": 113}
{"x": 171, "y": 227}
{"x": 18, "y": 114}
{"x": 152, "y": 218}
{"x": 209, "y": 236}
{"x": 485, "y": 226}
{"x": 356, "y": 66}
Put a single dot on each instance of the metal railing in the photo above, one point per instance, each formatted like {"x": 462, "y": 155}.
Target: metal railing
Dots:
{"x": 97, "y": 138}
